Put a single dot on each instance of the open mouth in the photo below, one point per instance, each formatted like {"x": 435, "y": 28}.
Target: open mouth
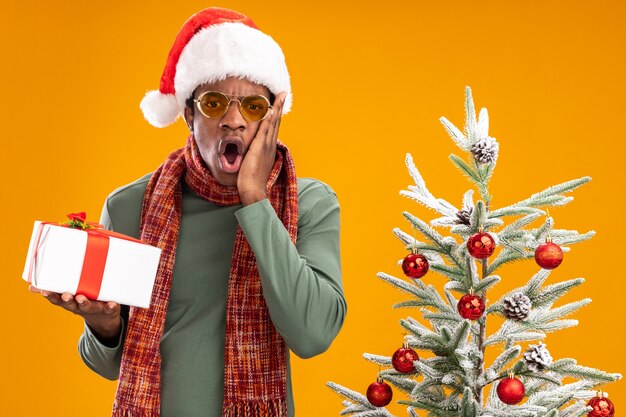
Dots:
{"x": 231, "y": 154}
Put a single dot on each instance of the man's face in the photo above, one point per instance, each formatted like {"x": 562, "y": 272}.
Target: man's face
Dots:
{"x": 224, "y": 141}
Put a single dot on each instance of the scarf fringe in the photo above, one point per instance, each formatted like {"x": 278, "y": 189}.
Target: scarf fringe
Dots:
{"x": 127, "y": 412}
{"x": 271, "y": 408}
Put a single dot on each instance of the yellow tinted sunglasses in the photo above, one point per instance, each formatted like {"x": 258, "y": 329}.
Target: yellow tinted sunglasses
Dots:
{"x": 214, "y": 104}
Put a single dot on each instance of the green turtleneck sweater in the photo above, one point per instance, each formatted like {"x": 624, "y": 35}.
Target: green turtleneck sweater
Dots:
{"x": 301, "y": 285}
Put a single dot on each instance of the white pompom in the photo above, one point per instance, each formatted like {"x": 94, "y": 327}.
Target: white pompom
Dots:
{"x": 160, "y": 110}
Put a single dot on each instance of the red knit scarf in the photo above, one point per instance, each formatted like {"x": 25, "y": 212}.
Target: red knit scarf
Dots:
{"x": 255, "y": 375}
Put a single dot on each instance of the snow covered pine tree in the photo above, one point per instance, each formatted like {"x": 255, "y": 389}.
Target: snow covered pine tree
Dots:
{"x": 454, "y": 379}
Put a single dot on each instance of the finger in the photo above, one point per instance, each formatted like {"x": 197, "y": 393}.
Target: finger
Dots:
{"x": 274, "y": 121}
{"x": 57, "y": 300}
{"x": 88, "y": 306}
{"x": 277, "y": 117}
{"x": 269, "y": 132}
{"x": 53, "y": 297}
{"x": 68, "y": 302}
{"x": 260, "y": 139}
{"x": 84, "y": 304}
{"x": 33, "y": 289}
{"x": 112, "y": 308}
{"x": 280, "y": 103}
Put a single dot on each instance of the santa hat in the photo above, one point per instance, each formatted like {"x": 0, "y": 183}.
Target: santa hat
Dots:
{"x": 212, "y": 45}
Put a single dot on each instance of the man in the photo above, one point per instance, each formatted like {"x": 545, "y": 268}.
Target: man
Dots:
{"x": 250, "y": 265}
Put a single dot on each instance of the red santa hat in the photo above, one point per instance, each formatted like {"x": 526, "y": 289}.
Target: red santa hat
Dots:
{"x": 212, "y": 45}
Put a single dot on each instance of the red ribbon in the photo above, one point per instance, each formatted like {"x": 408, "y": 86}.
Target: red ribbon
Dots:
{"x": 96, "y": 252}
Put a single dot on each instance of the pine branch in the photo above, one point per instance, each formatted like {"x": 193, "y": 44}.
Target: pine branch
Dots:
{"x": 405, "y": 385}
{"x": 553, "y": 325}
{"x": 506, "y": 256}
{"x": 487, "y": 283}
{"x": 434, "y": 407}
{"x": 427, "y": 385}
{"x": 378, "y": 359}
{"x": 562, "y": 311}
{"x": 459, "y": 138}
{"x": 426, "y": 295}
{"x": 531, "y": 289}
{"x": 451, "y": 272}
{"x": 568, "y": 367}
{"x": 518, "y": 224}
{"x": 472, "y": 273}
{"x": 428, "y": 371}
{"x": 459, "y": 336}
{"x": 543, "y": 377}
{"x": 410, "y": 288}
{"x": 570, "y": 238}
{"x": 558, "y": 396}
{"x": 482, "y": 128}
{"x": 442, "y": 318}
{"x": 422, "y": 195}
{"x": 451, "y": 300}
{"x": 469, "y": 406}
{"x": 378, "y": 412}
{"x": 479, "y": 215}
{"x": 539, "y": 297}
{"x": 416, "y": 327}
{"x": 423, "y": 338}
{"x": 470, "y": 116}
{"x": 350, "y": 408}
{"x": 351, "y": 395}
{"x": 459, "y": 286}
{"x": 503, "y": 359}
{"x": 552, "y": 195}
{"x": 577, "y": 409}
{"x": 523, "y": 410}
{"x": 512, "y": 332}
{"x": 465, "y": 169}
{"x": 514, "y": 211}
{"x": 539, "y": 319}
{"x": 436, "y": 238}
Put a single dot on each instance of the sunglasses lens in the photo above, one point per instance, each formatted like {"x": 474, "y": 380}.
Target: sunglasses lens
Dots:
{"x": 213, "y": 104}
{"x": 254, "y": 107}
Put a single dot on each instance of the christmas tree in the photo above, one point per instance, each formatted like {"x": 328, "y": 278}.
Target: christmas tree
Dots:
{"x": 455, "y": 380}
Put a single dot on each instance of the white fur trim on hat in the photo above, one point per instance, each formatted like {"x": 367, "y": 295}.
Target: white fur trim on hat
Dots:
{"x": 160, "y": 109}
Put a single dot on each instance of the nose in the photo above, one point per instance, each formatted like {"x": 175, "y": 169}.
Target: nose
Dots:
{"x": 233, "y": 118}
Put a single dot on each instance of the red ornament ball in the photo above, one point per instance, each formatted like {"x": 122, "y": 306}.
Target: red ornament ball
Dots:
{"x": 549, "y": 255}
{"x": 379, "y": 393}
{"x": 415, "y": 265}
{"x": 481, "y": 245}
{"x": 471, "y": 306}
{"x": 602, "y": 407}
{"x": 511, "y": 390}
{"x": 403, "y": 358}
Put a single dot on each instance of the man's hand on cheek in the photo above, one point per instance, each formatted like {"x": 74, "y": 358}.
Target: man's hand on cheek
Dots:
{"x": 259, "y": 160}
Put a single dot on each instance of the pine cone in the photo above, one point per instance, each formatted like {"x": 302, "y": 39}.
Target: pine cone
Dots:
{"x": 463, "y": 216}
{"x": 537, "y": 357}
{"x": 485, "y": 150}
{"x": 517, "y": 306}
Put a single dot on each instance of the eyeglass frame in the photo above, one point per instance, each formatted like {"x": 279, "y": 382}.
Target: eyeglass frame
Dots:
{"x": 230, "y": 100}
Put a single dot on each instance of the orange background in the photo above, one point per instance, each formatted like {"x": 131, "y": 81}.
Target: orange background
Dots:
{"x": 370, "y": 82}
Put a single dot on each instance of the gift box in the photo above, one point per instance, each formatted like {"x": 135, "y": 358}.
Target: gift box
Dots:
{"x": 84, "y": 258}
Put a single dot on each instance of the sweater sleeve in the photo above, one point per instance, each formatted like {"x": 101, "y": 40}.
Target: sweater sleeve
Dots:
{"x": 102, "y": 359}
{"x": 302, "y": 282}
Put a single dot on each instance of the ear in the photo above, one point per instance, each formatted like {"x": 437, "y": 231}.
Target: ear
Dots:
{"x": 188, "y": 115}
